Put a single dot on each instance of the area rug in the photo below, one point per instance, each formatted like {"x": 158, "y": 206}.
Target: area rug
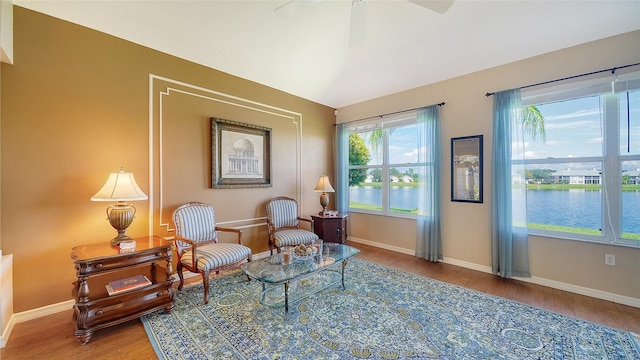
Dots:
{"x": 383, "y": 314}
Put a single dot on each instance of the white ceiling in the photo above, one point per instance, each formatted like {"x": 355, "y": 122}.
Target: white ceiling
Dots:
{"x": 304, "y": 48}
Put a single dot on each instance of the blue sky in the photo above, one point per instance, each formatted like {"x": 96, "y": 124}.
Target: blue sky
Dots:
{"x": 573, "y": 129}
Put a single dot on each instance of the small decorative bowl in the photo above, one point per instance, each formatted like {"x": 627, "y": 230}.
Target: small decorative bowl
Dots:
{"x": 303, "y": 258}
{"x": 308, "y": 256}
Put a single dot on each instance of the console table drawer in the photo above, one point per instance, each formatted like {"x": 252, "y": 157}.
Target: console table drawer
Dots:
{"x": 117, "y": 307}
{"x": 106, "y": 264}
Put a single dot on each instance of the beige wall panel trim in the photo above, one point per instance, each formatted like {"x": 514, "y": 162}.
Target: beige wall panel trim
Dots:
{"x": 257, "y": 222}
{"x": 234, "y": 224}
{"x": 211, "y": 95}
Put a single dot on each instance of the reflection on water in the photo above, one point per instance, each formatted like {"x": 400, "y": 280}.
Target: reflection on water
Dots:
{"x": 569, "y": 207}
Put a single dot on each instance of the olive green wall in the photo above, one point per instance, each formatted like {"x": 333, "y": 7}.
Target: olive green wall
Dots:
{"x": 571, "y": 265}
{"x": 78, "y": 104}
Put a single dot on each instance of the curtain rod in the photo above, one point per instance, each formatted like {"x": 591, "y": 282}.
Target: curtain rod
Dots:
{"x": 391, "y": 113}
{"x": 613, "y": 71}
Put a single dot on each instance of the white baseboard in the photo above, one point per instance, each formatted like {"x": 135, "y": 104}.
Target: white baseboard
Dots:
{"x": 43, "y": 311}
{"x": 382, "y": 246}
{"x": 6, "y": 298}
{"x": 467, "y": 265}
{"x": 6, "y": 332}
{"x": 598, "y": 294}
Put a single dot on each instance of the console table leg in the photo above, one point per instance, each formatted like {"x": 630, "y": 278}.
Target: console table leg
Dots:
{"x": 83, "y": 336}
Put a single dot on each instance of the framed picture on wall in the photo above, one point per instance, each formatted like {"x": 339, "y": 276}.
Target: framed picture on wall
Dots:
{"x": 466, "y": 169}
{"x": 240, "y": 155}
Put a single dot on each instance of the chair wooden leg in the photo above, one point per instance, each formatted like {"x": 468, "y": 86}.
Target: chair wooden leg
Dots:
{"x": 249, "y": 260}
{"x": 205, "y": 282}
{"x": 180, "y": 275}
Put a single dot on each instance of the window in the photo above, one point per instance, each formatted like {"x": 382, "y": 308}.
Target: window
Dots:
{"x": 582, "y": 173}
{"x": 383, "y": 166}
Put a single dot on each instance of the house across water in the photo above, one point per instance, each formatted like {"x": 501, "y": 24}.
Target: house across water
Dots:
{"x": 593, "y": 176}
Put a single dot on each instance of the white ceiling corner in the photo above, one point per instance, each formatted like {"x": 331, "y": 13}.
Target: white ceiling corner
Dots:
{"x": 303, "y": 48}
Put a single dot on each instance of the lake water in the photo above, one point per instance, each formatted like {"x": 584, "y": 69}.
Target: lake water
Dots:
{"x": 574, "y": 207}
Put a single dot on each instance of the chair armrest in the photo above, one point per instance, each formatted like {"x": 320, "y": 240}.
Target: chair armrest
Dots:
{"x": 237, "y": 231}
{"x": 192, "y": 247}
{"x": 183, "y": 239}
{"x": 307, "y": 220}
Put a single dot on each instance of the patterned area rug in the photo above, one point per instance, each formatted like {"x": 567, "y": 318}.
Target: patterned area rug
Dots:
{"x": 383, "y": 314}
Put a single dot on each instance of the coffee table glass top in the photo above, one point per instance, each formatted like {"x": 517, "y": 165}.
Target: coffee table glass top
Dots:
{"x": 271, "y": 270}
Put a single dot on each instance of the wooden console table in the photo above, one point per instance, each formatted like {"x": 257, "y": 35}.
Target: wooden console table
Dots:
{"x": 98, "y": 264}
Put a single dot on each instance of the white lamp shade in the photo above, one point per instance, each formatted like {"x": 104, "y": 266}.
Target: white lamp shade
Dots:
{"x": 120, "y": 186}
{"x": 324, "y": 185}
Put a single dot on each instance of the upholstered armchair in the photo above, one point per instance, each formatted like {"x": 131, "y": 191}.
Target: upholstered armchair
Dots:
{"x": 198, "y": 247}
{"x": 283, "y": 224}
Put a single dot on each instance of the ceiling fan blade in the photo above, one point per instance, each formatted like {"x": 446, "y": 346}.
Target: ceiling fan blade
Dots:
{"x": 358, "y": 25}
{"x": 283, "y": 5}
{"x": 291, "y": 8}
{"x": 439, "y": 6}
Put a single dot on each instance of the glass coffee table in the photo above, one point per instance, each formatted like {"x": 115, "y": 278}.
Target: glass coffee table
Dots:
{"x": 283, "y": 284}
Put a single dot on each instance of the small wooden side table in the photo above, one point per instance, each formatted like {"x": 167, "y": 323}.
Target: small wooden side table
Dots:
{"x": 331, "y": 228}
{"x": 98, "y": 264}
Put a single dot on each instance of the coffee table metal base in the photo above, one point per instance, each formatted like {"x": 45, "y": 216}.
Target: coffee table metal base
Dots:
{"x": 293, "y": 290}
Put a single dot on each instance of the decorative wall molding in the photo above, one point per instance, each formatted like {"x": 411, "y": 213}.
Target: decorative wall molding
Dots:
{"x": 176, "y": 86}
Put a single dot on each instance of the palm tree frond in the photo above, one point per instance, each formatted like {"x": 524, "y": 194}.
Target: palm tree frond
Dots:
{"x": 533, "y": 123}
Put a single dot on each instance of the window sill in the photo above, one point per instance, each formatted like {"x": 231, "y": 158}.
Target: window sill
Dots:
{"x": 383, "y": 213}
{"x": 635, "y": 244}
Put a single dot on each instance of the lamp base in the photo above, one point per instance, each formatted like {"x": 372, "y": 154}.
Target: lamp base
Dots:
{"x": 120, "y": 238}
{"x": 120, "y": 217}
{"x": 324, "y": 202}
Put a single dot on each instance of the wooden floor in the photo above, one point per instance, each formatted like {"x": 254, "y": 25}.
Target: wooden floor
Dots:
{"x": 51, "y": 337}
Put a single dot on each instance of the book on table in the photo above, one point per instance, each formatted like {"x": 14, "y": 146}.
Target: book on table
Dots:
{"x": 128, "y": 284}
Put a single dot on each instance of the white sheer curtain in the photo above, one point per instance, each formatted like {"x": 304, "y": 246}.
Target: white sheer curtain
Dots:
{"x": 429, "y": 239}
{"x": 509, "y": 235}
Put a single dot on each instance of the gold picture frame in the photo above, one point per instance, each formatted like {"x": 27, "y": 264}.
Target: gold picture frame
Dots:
{"x": 240, "y": 155}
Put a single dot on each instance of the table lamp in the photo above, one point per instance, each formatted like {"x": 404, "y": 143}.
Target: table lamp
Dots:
{"x": 324, "y": 186}
{"x": 120, "y": 187}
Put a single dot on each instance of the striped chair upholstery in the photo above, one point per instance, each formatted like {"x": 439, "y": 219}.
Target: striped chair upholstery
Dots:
{"x": 283, "y": 224}
{"x": 292, "y": 237}
{"x": 197, "y": 244}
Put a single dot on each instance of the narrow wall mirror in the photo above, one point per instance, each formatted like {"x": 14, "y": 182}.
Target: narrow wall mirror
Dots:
{"x": 466, "y": 169}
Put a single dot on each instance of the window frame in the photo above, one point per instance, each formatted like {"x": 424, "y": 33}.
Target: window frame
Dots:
{"x": 395, "y": 121}
{"x": 611, "y": 158}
